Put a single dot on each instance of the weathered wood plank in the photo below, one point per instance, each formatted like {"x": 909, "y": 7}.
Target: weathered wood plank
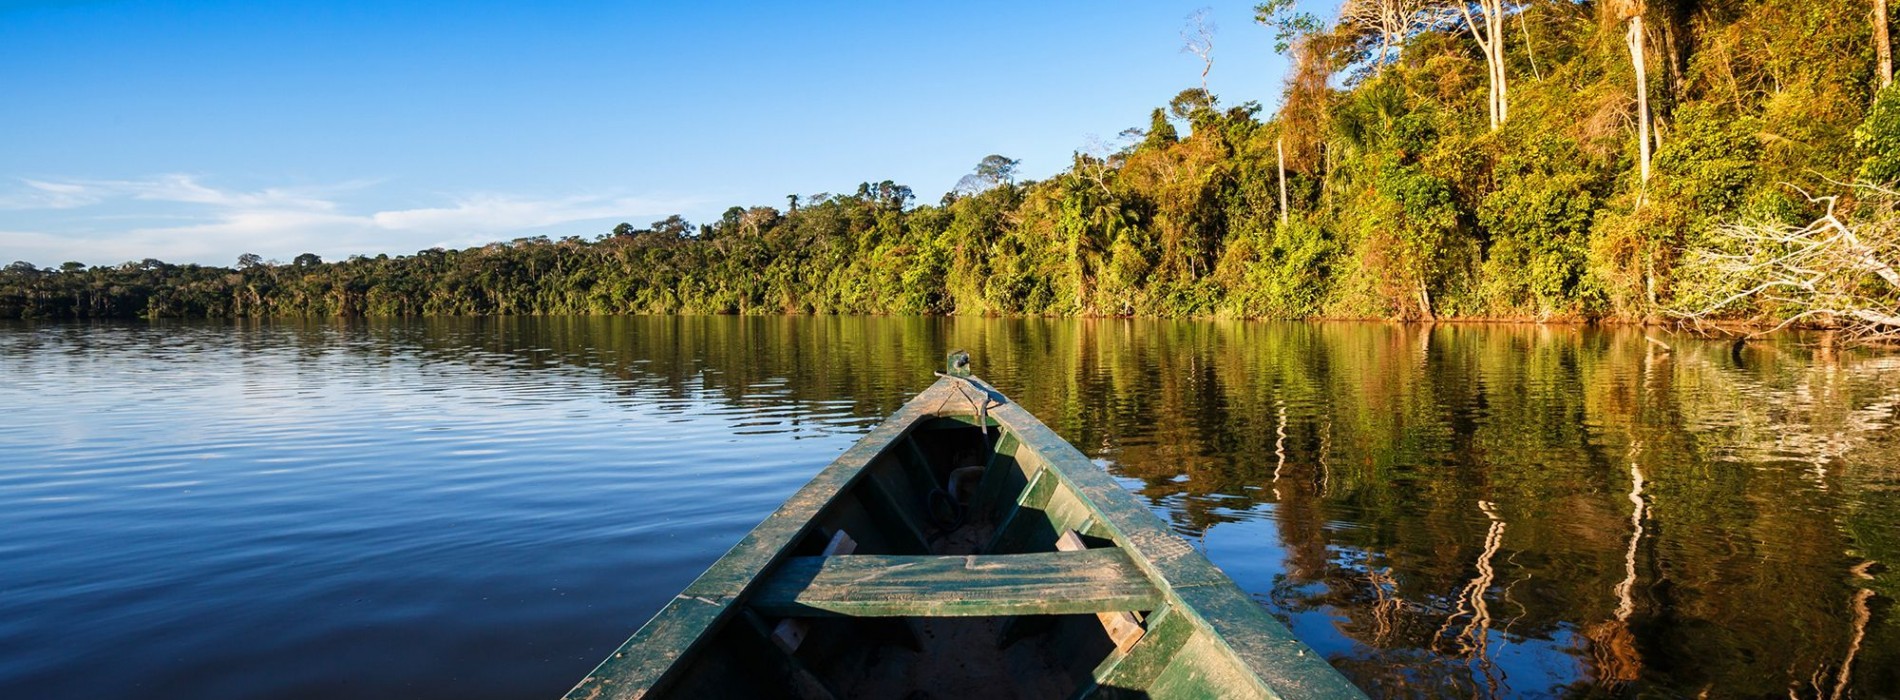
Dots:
{"x": 1121, "y": 625}
{"x": 1200, "y": 671}
{"x": 791, "y": 633}
{"x": 1238, "y": 628}
{"x": 953, "y": 421}
{"x": 1025, "y": 520}
{"x": 1066, "y": 512}
{"x": 1044, "y": 583}
{"x": 659, "y": 644}
{"x": 996, "y": 477}
{"x": 1126, "y": 673}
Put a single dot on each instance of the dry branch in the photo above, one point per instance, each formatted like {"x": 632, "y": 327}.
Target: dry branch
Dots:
{"x": 1393, "y": 21}
{"x": 1830, "y": 272}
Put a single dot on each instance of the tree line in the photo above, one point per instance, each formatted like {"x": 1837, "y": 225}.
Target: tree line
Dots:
{"x": 1541, "y": 160}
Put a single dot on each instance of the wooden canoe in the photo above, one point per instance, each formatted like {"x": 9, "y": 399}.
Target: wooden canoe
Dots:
{"x": 1040, "y": 577}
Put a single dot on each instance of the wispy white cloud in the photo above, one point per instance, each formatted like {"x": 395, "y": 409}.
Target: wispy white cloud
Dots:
{"x": 170, "y": 188}
{"x": 185, "y": 189}
{"x": 501, "y": 212}
{"x": 48, "y": 195}
{"x": 113, "y": 220}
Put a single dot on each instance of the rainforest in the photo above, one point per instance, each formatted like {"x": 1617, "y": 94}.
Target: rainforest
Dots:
{"x": 1616, "y": 160}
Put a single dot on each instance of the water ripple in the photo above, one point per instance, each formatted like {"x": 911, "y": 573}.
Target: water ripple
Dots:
{"x": 484, "y": 507}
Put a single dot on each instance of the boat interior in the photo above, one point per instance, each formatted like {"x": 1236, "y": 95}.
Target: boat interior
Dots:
{"x": 955, "y": 564}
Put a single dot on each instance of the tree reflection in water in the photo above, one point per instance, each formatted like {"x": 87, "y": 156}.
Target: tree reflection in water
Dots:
{"x": 1647, "y": 521}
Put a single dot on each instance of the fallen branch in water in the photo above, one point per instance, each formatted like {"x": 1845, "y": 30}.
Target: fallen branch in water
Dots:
{"x": 1829, "y": 272}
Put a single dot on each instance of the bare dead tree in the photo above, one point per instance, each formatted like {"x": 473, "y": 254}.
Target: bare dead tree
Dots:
{"x": 1198, "y": 39}
{"x": 1393, "y": 22}
{"x": 1643, "y": 129}
{"x": 755, "y": 219}
{"x": 1097, "y": 158}
{"x": 1279, "y": 150}
{"x": 1487, "y": 27}
{"x": 1631, "y": 13}
{"x": 1830, "y": 272}
{"x": 1883, "y": 43}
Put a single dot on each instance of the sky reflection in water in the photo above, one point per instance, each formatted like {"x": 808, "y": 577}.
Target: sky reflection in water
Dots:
{"x": 484, "y": 508}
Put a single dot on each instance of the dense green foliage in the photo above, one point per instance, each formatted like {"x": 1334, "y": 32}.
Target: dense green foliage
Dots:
{"x": 1404, "y": 203}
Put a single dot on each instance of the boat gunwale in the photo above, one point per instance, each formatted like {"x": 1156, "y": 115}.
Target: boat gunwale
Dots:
{"x": 1280, "y": 664}
{"x": 685, "y": 623}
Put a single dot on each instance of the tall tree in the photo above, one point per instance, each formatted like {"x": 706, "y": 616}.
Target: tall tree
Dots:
{"x": 1487, "y": 27}
{"x": 1391, "y": 22}
{"x": 1883, "y": 43}
{"x": 1290, "y": 28}
{"x": 1279, "y": 152}
{"x": 998, "y": 169}
{"x": 1198, "y": 39}
{"x": 1160, "y": 131}
{"x": 1631, "y": 11}
{"x": 992, "y": 171}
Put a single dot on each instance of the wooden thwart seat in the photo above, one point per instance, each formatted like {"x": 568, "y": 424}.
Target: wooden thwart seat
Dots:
{"x": 1042, "y": 583}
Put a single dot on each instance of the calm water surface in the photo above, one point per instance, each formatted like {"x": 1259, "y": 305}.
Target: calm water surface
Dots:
{"x": 484, "y": 508}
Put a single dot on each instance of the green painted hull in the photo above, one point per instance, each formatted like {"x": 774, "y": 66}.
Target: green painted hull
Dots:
{"x": 957, "y": 586}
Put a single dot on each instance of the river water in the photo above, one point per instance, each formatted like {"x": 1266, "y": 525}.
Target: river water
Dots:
{"x": 486, "y": 507}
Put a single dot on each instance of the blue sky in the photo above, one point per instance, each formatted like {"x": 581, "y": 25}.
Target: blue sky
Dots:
{"x": 196, "y": 131}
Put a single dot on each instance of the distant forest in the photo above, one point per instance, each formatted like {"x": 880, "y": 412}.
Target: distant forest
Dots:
{"x": 1614, "y": 160}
